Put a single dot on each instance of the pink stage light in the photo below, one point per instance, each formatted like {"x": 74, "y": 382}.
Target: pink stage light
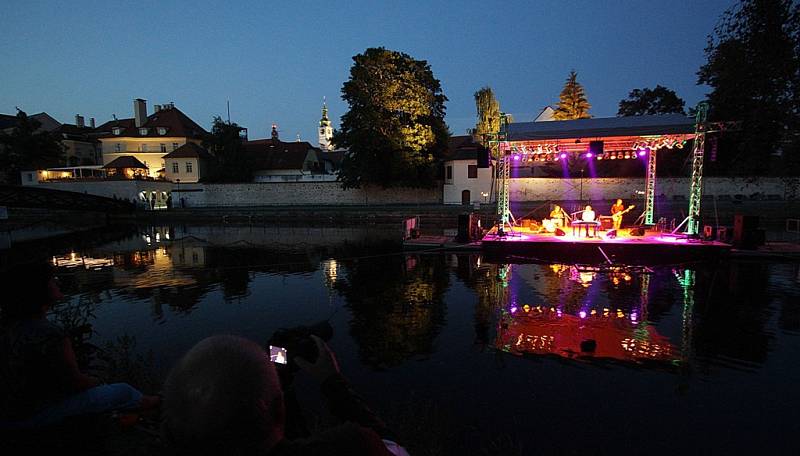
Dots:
{"x": 582, "y": 314}
{"x": 589, "y": 155}
{"x": 563, "y": 155}
{"x": 642, "y": 152}
{"x": 516, "y": 157}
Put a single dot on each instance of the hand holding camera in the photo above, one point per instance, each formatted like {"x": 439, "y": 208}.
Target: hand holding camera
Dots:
{"x": 325, "y": 364}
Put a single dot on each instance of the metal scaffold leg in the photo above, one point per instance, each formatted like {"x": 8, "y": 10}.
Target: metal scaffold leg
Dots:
{"x": 696, "y": 191}
{"x": 650, "y": 188}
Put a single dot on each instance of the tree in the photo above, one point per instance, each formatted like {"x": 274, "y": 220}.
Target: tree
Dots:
{"x": 27, "y": 148}
{"x": 754, "y": 74}
{"x": 572, "y": 102}
{"x": 488, "y": 114}
{"x": 660, "y": 100}
{"x": 225, "y": 142}
{"x": 395, "y": 129}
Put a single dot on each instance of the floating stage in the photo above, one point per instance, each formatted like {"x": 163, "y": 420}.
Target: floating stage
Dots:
{"x": 650, "y": 248}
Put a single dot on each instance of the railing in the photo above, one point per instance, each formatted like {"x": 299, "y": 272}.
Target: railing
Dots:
{"x": 297, "y": 178}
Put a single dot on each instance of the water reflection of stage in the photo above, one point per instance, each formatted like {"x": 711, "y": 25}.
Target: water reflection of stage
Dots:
{"x": 622, "y": 246}
{"x": 575, "y": 323}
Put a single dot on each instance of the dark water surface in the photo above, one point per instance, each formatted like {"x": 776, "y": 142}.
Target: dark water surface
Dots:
{"x": 469, "y": 355}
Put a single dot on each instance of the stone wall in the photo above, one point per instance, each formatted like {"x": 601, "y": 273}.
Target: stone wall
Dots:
{"x": 297, "y": 193}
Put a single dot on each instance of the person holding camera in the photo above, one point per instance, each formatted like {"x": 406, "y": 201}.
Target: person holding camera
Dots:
{"x": 225, "y": 397}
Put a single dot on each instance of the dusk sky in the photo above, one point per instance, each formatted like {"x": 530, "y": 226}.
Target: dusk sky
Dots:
{"x": 275, "y": 61}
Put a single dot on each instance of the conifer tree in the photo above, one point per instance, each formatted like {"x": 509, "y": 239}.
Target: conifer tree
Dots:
{"x": 572, "y": 102}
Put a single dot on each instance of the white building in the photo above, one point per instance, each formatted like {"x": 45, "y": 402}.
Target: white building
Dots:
{"x": 148, "y": 137}
{"x": 466, "y": 181}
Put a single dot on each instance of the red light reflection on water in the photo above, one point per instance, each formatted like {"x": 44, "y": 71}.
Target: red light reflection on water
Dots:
{"x": 603, "y": 334}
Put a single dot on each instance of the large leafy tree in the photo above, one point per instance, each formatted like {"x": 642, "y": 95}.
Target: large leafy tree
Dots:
{"x": 395, "y": 129}
{"x": 27, "y": 148}
{"x": 572, "y": 103}
{"x": 660, "y": 100}
{"x": 488, "y": 114}
{"x": 225, "y": 142}
{"x": 754, "y": 74}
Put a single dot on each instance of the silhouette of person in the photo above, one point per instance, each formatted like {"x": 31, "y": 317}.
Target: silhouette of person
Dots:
{"x": 224, "y": 397}
{"x": 42, "y": 382}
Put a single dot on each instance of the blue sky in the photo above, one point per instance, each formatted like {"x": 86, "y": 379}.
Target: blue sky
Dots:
{"x": 275, "y": 61}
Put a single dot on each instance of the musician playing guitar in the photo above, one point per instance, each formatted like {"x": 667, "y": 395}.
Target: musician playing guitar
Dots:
{"x": 617, "y": 211}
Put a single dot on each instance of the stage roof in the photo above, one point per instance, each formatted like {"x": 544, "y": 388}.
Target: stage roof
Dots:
{"x": 664, "y": 124}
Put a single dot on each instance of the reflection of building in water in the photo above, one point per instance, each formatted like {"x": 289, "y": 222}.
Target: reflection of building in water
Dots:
{"x": 149, "y": 269}
{"x": 330, "y": 271}
{"x": 86, "y": 262}
{"x": 188, "y": 254}
{"x": 581, "y": 325}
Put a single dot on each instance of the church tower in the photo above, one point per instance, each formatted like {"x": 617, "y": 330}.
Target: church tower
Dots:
{"x": 325, "y": 130}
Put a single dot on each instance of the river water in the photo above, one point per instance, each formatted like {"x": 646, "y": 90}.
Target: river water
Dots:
{"x": 467, "y": 356}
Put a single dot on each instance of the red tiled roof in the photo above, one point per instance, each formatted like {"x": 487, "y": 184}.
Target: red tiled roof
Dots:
{"x": 173, "y": 119}
{"x": 462, "y": 148}
{"x": 190, "y": 150}
{"x": 276, "y": 154}
{"x": 126, "y": 161}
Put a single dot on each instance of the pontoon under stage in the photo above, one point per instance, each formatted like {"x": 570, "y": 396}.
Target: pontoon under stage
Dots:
{"x": 650, "y": 248}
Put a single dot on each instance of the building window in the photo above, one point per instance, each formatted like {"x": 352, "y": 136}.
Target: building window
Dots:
{"x": 174, "y": 146}
{"x": 449, "y": 173}
{"x": 472, "y": 171}
{"x": 163, "y": 147}
{"x": 162, "y": 131}
{"x": 175, "y": 167}
{"x": 188, "y": 167}
{"x": 143, "y": 131}
{"x": 144, "y": 147}
{"x": 115, "y": 131}
{"x": 118, "y": 147}
{"x": 30, "y": 177}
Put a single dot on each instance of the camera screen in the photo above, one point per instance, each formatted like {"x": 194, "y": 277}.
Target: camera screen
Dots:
{"x": 277, "y": 354}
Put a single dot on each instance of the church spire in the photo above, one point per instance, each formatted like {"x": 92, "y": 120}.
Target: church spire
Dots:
{"x": 325, "y": 129}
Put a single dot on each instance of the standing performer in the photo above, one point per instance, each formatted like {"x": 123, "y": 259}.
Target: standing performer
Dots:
{"x": 618, "y": 207}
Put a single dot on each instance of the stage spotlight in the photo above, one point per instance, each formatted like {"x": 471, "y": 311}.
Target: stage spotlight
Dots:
{"x": 516, "y": 157}
{"x": 563, "y": 155}
{"x": 642, "y": 152}
{"x": 613, "y": 156}
{"x": 589, "y": 155}
{"x": 599, "y": 156}
{"x": 627, "y": 155}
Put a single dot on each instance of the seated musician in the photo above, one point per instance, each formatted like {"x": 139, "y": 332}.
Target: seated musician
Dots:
{"x": 588, "y": 216}
{"x": 616, "y": 208}
{"x": 559, "y": 216}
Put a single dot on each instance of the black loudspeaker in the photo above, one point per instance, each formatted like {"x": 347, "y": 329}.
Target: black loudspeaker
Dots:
{"x": 483, "y": 158}
{"x": 612, "y": 234}
{"x": 744, "y": 231}
{"x": 560, "y": 232}
{"x": 638, "y": 231}
{"x": 463, "y": 228}
{"x": 596, "y": 147}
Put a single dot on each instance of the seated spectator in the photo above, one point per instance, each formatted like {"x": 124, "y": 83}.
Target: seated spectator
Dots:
{"x": 40, "y": 381}
{"x": 225, "y": 397}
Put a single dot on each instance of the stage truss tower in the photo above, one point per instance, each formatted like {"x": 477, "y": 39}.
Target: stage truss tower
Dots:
{"x": 696, "y": 189}
{"x": 650, "y": 188}
{"x": 499, "y": 146}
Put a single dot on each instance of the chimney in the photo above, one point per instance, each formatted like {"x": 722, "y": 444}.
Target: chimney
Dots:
{"x": 156, "y": 108}
{"x": 140, "y": 111}
{"x": 79, "y": 121}
{"x": 91, "y": 122}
